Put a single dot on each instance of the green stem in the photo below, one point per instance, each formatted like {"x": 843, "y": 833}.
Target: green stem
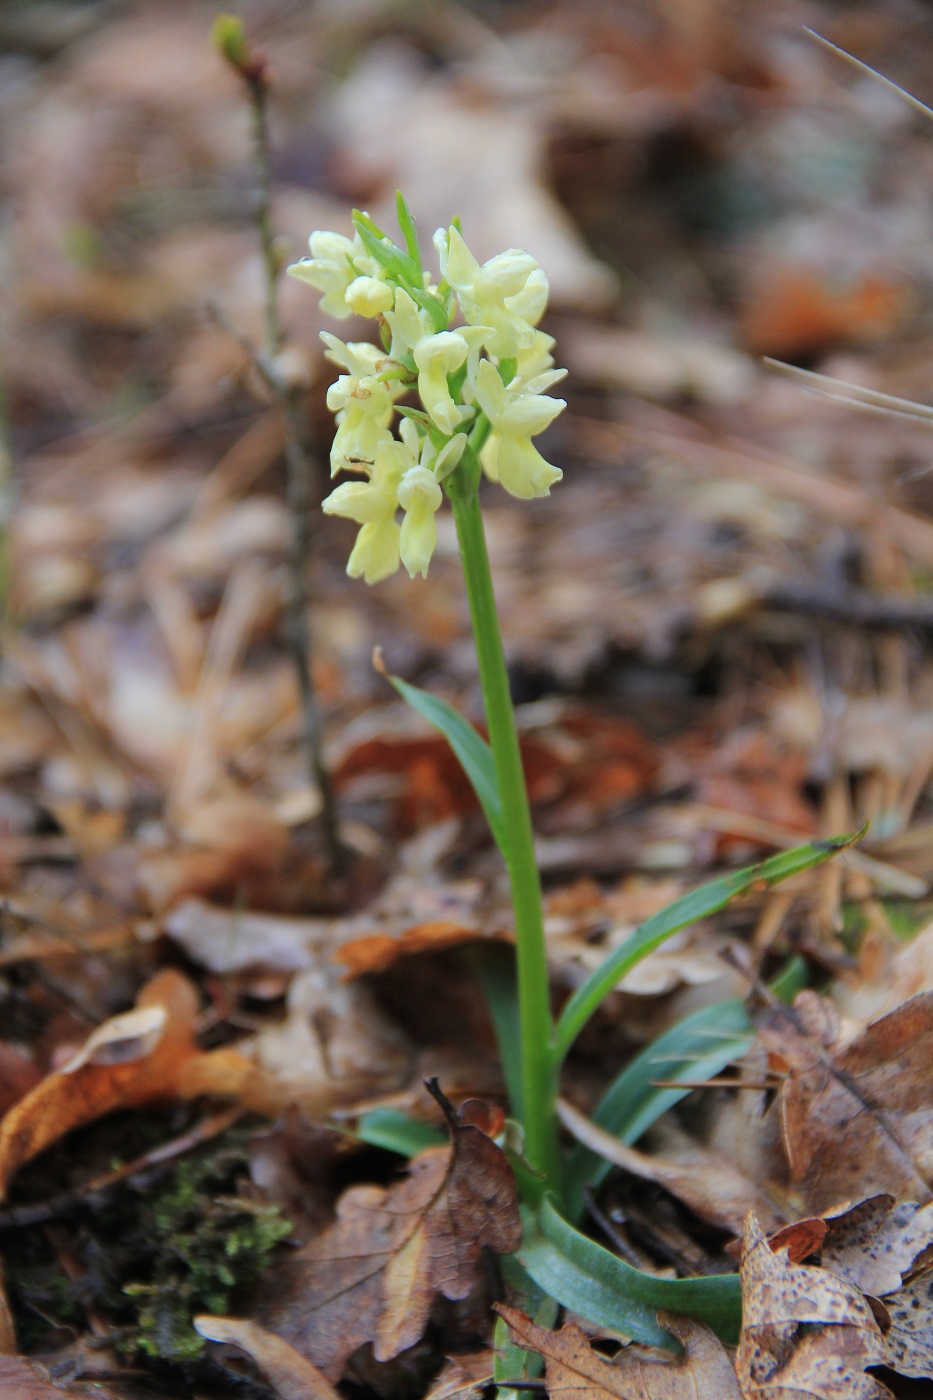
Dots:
{"x": 538, "y": 1079}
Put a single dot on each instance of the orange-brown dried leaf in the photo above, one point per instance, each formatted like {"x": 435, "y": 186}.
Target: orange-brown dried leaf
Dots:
{"x": 130, "y": 1060}
{"x": 797, "y": 310}
{"x": 575, "y": 1370}
{"x": 436, "y": 786}
{"x": 805, "y": 1332}
{"x": 376, "y": 951}
{"x": 857, "y": 1118}
{"x": 374, "y": 1274}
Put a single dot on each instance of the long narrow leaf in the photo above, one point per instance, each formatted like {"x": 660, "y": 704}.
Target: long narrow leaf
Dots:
{"x": 698, "y": 904}
{"x": 494, "y": 965}
{"x": 698, "y": 1047}
{"x": 387, "y": 255}
{"x": 407, "y": 224}
{"x": 397, "y": 1132}
{"x": 601, "y": 1287}
{"x": 473, "y": 752}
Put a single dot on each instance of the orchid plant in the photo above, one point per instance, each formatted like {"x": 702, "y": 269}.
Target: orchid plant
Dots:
{"x": 457, "y": 389}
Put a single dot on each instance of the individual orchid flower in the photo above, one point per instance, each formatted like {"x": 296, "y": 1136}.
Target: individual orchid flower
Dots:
{"x": 420, "y": 497}
{"x": 363, "y": 402}
{"x": 336, "y": 263}
{"x": 509, "y": 455}
{"x": 406, "y": 326}
{"x": 508, "y": 293}
{"x": 437, "y": 356}
{"x": 373, "y": 505}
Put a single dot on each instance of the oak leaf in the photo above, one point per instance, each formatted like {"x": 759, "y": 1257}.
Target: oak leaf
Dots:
{"x": 575, "y": 1370}
{"x": 806, "y": 1333}
{"x": 857, "y": 1117}
{"x": 872, "y": 1245}
{"x": 910, "y": 1338}
{"x": 373, "y": 1275}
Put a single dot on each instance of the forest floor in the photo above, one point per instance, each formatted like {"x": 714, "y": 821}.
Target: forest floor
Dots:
{"x": 718, "y": 629}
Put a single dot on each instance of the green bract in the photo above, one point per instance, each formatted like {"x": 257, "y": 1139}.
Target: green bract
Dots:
{"x": 468, "y": 348}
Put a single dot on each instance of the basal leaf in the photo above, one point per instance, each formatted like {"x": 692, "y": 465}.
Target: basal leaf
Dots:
{"x": 696, "y": 1048}
{"x": 397, "y": 1132}
{"x": 601, "y": 1287}
{"x": 698, "y": 904}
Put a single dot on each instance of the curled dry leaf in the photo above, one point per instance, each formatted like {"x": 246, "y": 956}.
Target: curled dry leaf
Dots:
{"x": 574, "y": 1370}
{"x": 291, "y": 1376}
{"x": 375, "y": 952}
{"x": 129, "y": 1060}
{"x": 374, "y": 1274}
{"x": 857, "y": 1117}
{"x": 143, "y": 1056}
{"x": 805, "y": 1332}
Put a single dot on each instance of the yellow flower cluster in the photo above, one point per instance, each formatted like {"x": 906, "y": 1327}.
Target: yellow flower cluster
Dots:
{"x": 470, "y": 347}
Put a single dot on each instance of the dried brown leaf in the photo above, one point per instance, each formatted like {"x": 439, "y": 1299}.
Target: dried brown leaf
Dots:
{"x": 464, "y": 1377}
{"x": 708, "y": 1182}
{"x": 910, "y": 1340}
{"x": 291, "y": 1376}
{"x": 574, "y": 1369}
{"x": 377, "y": 951}
{"x": 872, "y": 1245}
{"x": 129, "y": 1060}
{"x": 857, "y": 1117}
{"x": 374, "y": 1274}
{"x": 144, "y": 1056}
{"x": 806, "y": 1333}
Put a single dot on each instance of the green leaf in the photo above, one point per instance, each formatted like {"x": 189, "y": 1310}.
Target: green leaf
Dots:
{"x": 473, "y": 752}
{"x": 697, "y": 1047}
{"x": 394, "y": 1130}
{"x": 494, "y": 966}
{"x": 601, "y": 1287}
{"x": 511, "y": 1361}
{"x": 698, "y": 904}
{"x": 435, "y": 307}
{"x": 407, "y": 224}
{"x": 792, "y": 978}
{"x": 396, "y": 263}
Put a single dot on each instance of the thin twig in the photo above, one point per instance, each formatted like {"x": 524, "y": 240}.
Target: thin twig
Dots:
{"x": 299, "y": 461}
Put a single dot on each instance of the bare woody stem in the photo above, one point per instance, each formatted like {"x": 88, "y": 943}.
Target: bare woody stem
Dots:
{"x": 538, "y": 1074}
{"x": 299, "y": 462}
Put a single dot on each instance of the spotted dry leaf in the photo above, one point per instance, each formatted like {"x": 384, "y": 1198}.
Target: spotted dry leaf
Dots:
{"x": 872, "y": 1245}
{"x": 807, "y": 1335}
{"x": 910, "y": 1339}
{"x": 374, "y": 1274}
{"x": 858, "y": 1116}
{"x": 575, "y": 1371}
